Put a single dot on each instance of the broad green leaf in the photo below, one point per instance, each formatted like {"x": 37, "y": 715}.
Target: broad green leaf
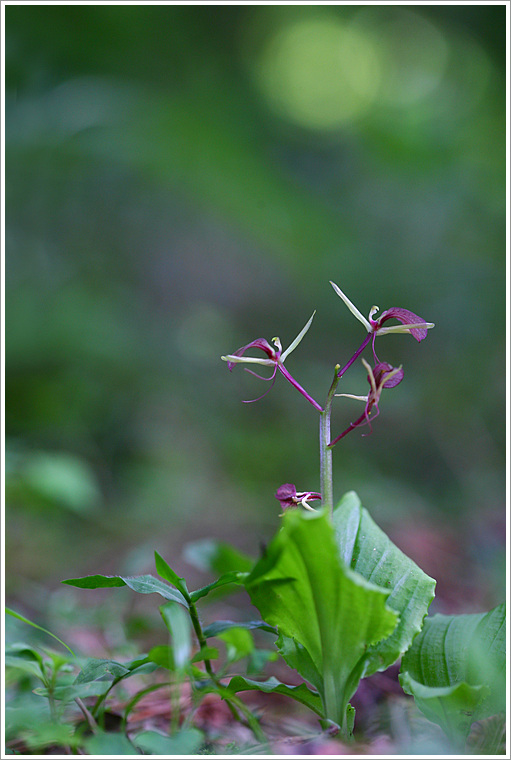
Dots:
{"x": 451, "y": 707}
{"x": 184, "y": 742}
{"x": 166, "y": 572}
{"x": 239, "y": 643}
{"x": 140, "y": 664}
{"x": 105, "y": 669}
{"x": 114, "y": 744}
{"x": 326, "y": 614}
{"x": 365, "y": 548}
{"x": 142, "y": 584}
{"x": 179, "y": 627}
{"x": 217, "y": 557}
{"x": 29, "y": 667}
{"x": 230, "y": 577}
{"x": 24, "y": 652}
{"x": 39, "y": 628}
{"x": 94, "y": 669}
{"x": 300, "y": 693}
{"x": 455, "y": 669}
{"x": 223, "y": 625}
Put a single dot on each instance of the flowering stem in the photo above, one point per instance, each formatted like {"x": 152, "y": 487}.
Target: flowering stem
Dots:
{"x": 357, "y": 353}
{"x": 325, "y": 453}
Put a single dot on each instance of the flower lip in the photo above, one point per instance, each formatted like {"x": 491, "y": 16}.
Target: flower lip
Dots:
{"x": 410, "y": 322}
{"x": 289, "y": 497}
{"x": 262, "y": 343}
{"x": 385, "y": 370}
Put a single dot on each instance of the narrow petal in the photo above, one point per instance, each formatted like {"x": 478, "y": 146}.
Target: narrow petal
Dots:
{"x": 272, "y": 378}
{"x": 297, "y": 339}
{"x": 312, "y": 495}
{"x": 261, "y": 343}
{"x": 413, "y": 324}
{"x": 352, "y": 307}
{"x": 232, "y": 359}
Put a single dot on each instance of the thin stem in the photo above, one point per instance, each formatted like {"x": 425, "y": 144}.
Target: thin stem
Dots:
{"x": 298, "y": 387}
{"x": 357, "y": 353}
{"x": 231, "y": 700}
{"x": 87, "y": 715}
{"x": 325, "y": 453}
{"x": 200, "y": 637}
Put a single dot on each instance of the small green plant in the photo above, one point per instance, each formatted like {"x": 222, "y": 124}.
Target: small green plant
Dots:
{"x": 456, "y": 671}
{"x": 341, "y": 600}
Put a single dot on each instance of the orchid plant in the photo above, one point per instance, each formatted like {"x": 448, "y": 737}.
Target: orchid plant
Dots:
{"x": 342, "y": 599}
{"x": 382, "y": 375}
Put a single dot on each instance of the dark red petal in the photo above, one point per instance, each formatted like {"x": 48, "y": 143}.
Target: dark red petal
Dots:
{"x": 384, "y": 368}
{"x": 406, "y": 318}
{"x": 286, "y": 492}
{"x": 261, "y": 343}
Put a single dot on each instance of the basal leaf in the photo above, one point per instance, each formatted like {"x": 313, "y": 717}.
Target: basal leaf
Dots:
{"x": 330, "y": 613}
{"x": 365, "y": 548}
{"x": 451, "y": 707}
{"x": 142, "y": 584}
{"x": 455, "y": 669}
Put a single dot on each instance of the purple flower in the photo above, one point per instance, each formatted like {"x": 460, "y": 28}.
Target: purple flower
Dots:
{"x": 410, "y": 323}
{"x": 383, "y": 375}
{"x": 276, "y": 358}
{"x": 289, "y": 498}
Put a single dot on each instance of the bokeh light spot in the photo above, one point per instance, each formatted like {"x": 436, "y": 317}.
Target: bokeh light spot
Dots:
{"x": 318, "y": 72}
{"x": 412, "y": 52}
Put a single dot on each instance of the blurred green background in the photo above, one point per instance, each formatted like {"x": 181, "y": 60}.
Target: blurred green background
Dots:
{"x": 181, "y": 180}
